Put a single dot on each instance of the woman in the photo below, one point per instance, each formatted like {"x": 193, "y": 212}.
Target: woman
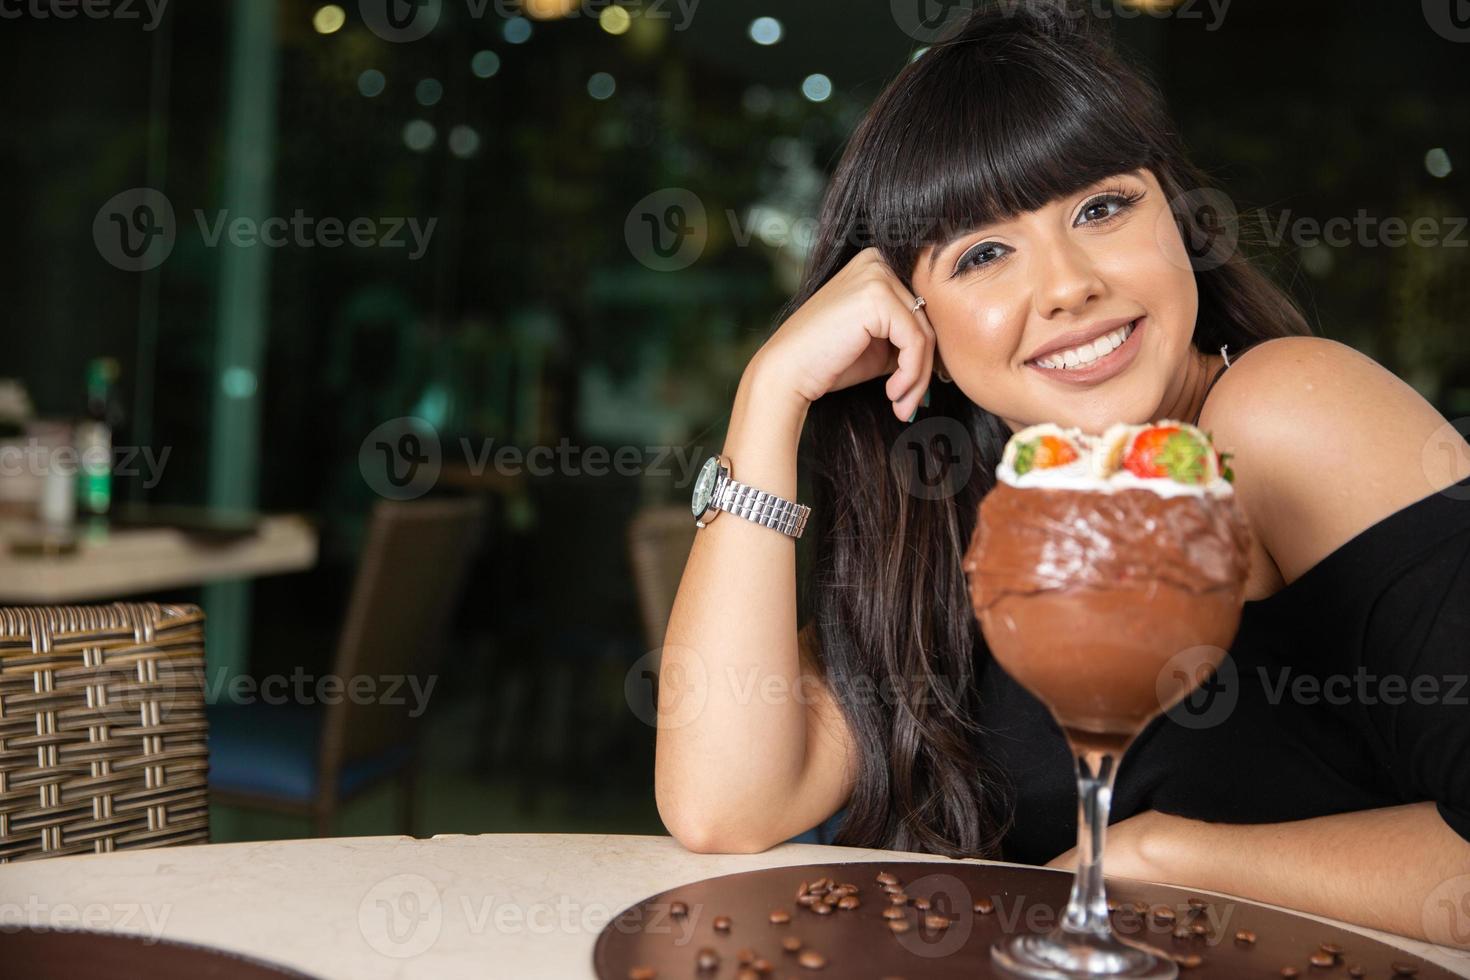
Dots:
{"x": 1028, "y": 186}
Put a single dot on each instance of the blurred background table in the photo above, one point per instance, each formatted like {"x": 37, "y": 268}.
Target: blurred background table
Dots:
{"x": 511, "y": 905}
{"x": 115, "y": 562}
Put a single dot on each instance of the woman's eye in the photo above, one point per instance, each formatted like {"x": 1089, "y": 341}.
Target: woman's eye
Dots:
{"x": 986, "y": 253}
{"x": 1098, "y": 207}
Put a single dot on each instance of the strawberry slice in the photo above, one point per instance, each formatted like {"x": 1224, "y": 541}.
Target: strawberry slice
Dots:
{"x": 1168, "y": 452}
{"x": 1043, "y": 453}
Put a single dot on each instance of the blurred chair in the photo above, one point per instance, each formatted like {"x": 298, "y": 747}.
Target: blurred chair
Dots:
{"x": 102, "y": 729}
{"x": 308, "y": 759}
{"x": 659, "y": 539}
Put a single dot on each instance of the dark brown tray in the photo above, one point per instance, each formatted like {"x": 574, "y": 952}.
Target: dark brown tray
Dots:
{"x": 857, "y": 943}
{"x": 65, "y": 954}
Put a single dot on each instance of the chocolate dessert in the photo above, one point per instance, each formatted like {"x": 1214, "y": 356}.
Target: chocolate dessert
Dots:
{"x": 1101, "y": 566}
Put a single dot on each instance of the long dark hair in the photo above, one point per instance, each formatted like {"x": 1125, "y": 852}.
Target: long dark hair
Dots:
{"x": 1023, "y": 104}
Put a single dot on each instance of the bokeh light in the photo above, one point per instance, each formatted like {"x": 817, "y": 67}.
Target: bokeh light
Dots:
{"x": 485, "y": 63}
{"x": 463, "y": 141}
{"x": 614, "y": 20}
{"x": 328, "y": 19}
{"x": 419, "y": 135}
{"x": 371, "y": 83}
{"x": 516, "y": 30}
{"x": 601, "y": 85}
{"x": 765, "y": 30}
{"x": 817, "y": 87}
{"x": 428, "y": 91}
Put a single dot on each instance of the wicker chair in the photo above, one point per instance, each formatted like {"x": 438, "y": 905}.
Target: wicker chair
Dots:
{"x": 102, "y": 729}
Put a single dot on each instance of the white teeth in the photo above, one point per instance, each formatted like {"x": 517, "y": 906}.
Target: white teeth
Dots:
{"x": 1087, "y": 353}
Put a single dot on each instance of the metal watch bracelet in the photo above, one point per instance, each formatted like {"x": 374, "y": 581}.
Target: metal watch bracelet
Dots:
{"x": 763, "y": 508}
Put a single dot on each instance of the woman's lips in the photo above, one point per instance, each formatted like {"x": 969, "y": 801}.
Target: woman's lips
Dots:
{"x": 1102, "y": 368}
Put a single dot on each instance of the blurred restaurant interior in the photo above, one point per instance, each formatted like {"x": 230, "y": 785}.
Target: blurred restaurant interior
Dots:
{"x": 259, "y": 250}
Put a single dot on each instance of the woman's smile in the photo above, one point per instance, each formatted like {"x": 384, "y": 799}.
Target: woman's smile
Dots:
{"x": 1067, "y": 367}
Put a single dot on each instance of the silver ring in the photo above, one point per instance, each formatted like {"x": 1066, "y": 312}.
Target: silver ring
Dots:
{"x": 919, "y": 304}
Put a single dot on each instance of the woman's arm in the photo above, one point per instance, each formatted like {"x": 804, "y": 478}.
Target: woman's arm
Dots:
{"x": 1401, "y": 869}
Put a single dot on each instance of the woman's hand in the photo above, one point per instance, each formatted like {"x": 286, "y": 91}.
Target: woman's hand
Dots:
{"x": 1133, "y": 846}
{"x": 860, "y": 324}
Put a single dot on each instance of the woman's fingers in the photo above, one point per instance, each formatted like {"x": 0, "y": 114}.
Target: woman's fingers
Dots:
{"x": 910, "y": 332}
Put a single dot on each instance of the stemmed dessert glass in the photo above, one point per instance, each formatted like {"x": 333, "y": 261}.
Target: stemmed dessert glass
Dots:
{"x": 1110, "y": 608}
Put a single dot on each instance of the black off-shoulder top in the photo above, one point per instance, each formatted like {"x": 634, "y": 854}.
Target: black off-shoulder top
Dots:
{"x": 1349, "y": 689}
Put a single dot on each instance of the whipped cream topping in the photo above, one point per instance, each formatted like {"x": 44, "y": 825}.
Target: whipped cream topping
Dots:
{"x": 1098, "y": 465}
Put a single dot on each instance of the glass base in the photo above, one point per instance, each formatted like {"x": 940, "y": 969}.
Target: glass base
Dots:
{"x": 1061, "y": 955}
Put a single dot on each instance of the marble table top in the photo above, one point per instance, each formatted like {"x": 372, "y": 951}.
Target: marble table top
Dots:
{"x": 357, "y": 908}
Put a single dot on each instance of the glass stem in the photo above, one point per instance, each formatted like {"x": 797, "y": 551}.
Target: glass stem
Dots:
{"x": 1087, "y": 910}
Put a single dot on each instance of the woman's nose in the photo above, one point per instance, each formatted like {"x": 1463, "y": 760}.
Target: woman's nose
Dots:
{"x": 1065, "y": 278}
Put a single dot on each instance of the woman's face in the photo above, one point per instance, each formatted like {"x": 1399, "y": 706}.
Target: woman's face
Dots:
{"x": 998, "y": 296}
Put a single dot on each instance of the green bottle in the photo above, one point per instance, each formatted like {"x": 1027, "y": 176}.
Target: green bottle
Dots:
{"x": 94, "y": 439}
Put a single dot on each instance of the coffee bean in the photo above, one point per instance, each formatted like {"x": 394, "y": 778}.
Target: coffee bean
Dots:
{"x": 642, "y": 973}
{"x": 1320, "y": 959}
{"x": 822, "y": 908}
{"x": 893, "y": 913}
{"x": 1199, "y": 929}
{"x": 745, "y": 956}
{"x": 678, "y": 910}
{"x": 722, "y": 923}
{"x": 746, "y": 973}
{"x": 936, "y": 921}
{"x": 1331, "y": 949}
{"x": 893, "y": 889}
{"x": 848, "y": 902}
{"x": 762, "y": 966}
{"x": 811, "y": 959}
{"x": 1112, "y": 905}
{"x": 1140, "y": 907}
{"x": 1198, "y": 904}
{"x": 791, "y": 944}
{"x": 821, "y": 885}
{"x": 887, "y": 878}
{"x": 899, "y": 925}
{"x": 707, "y": 959}
{"x": 922, "y": 904}
{"x": 851, "y": 888}
{"x": 1189, "y": 960}
{"x": 899, "y": 898}
{"x": 1401, "y": 969}
{"x": 1182, "y": 932}
{"x": 1245, "y": 936}
{"x": 779, "y": 917}
{"x": 1290, "y": 971}
{"x": 808, "y": 899}
{"x": 984, "y": 906}
{"x": 1162, "y": 913}
{"x": 802, "y": 890}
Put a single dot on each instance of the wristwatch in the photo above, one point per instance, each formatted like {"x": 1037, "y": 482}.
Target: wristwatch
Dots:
{"x": 715, "y": 490}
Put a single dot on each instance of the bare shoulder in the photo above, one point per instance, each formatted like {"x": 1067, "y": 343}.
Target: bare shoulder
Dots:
{"x": 1327, "y": 442}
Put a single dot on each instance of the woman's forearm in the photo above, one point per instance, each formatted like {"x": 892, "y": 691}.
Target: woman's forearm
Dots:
{"x": 1400, "y": 869}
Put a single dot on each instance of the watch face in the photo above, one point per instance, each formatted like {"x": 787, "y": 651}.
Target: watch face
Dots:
{"x": 704, "y": 485}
